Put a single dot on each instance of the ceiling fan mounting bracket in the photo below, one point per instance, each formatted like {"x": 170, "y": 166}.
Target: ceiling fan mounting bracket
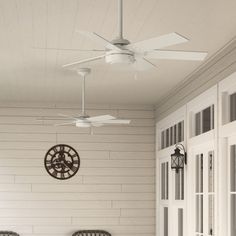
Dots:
{"x": 120, "y": 41}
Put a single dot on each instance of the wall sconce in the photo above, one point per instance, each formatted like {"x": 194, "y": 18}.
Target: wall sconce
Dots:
{"x": 178, "y": 159}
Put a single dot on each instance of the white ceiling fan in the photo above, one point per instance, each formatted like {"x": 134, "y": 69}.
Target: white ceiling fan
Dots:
{"x": 84, "y": 120}
{"x": 121, "y": 51}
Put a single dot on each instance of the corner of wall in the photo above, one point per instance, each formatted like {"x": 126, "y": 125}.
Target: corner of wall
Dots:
{"x": 219, "y": 66}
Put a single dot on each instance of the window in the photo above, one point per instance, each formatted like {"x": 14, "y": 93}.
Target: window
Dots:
{"x": 167, "y": 138}
{"x": 233, "y": 190}
{"x": 211, "y": 215}
{"x": 179, "y": 185}
{"x": 180, "y": 222}
{"x": 205, "y": 193}
{"x": 233, "y": 107}
{"x": 198, "y": 123}
{"x": 172, "y": 135}
{"x": 211, "y": 193}
{"x": 199, "y": 193}
{"x": 180, "y": 132}
{"x": 204, "y": 120}
{"x": 165, "y": 221}
{"x": 162, "y": 140}
{"x": 164, "y": 180}
{"x": 206, "y": 124}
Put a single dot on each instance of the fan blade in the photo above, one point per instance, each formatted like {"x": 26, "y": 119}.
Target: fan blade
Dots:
{"x": 56, "y": 118}
{"x": 97, "y": 124}
{"x": 150, "y": 63}
{"x": 68, "y": 117}
{"x": 158, "y": 42}
{"x": 100, "y": 118}
{"x": 142, "y": 64}
{"x": 83, "y": 61}
{"x": 98, "y": 38}
{"x": 71, "y": 49}
{"x": 177, "y": 55}
{"x": 116, "y": 121}
{"x": 68, "y": 123}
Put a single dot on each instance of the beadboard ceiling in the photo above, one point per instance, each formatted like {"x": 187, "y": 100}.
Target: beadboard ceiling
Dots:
{"x": 29, "y": 72}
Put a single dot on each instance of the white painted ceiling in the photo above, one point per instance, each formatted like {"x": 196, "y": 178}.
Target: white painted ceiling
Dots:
{"x": 30, "y": 73}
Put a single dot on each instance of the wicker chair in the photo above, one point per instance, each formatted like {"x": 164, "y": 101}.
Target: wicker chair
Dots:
{"x": 91, "y": 233}
{"x": 8, "y": 233}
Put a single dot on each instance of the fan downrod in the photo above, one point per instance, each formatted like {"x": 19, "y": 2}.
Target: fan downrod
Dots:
{"x": 83, "y": 72}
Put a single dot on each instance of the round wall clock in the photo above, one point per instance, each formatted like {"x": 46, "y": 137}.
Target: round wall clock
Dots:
{"x": 62, "y": 161}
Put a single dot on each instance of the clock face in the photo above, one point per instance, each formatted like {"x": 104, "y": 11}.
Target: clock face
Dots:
{"x": 62, "y": 161}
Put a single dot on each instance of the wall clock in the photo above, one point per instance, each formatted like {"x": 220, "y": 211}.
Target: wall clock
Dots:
{"x": 62, "y": 161}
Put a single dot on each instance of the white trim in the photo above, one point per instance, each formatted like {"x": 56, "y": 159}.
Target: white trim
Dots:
{"x": 163, "y": 155}
{"x": 206, "y": 99}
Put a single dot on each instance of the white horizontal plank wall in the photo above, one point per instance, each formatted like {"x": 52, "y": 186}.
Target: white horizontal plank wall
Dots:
{"x": 113, "y": 189}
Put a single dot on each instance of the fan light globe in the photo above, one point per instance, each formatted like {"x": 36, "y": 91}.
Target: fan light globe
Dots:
{"x": 83, "y": 124}
{"x": 120, "y": 57}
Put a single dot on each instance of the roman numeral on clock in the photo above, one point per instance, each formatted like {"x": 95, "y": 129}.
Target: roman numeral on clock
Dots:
{"x": 73, "y": 168}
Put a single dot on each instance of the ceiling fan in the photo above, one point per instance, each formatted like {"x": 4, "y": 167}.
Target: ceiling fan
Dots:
{"x": 121, "y": 51}
{"x": 84, "y": 120}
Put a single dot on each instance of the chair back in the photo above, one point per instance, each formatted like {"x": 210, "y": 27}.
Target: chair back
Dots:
{"x": 8, "y": 233}
{"x": 91, "y": 233}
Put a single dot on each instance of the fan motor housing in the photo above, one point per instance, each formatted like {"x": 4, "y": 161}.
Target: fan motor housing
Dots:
{"x": 83, "y": 124}
{"x": 120, "y": 57}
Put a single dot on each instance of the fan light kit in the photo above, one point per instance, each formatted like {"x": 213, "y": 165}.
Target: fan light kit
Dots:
{"x": 84, "y": 120}
{"x": 120, "y": 57}
{"x": 121, "y": 51}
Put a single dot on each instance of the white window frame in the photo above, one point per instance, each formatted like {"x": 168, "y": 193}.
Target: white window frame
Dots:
{"x": 163, "y": 155}
{"x": 220, "y": 138}
{"x": 227, "y": 137}
{"x": 204, "y": 148}
{"x": 169, "y": 121}
{"x": 231, "y": 141}
{"x": 195, "y": 145}
{"x": 198, "y": 104}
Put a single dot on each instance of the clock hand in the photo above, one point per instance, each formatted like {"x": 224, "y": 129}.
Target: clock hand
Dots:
{"x": 65, "y": 164}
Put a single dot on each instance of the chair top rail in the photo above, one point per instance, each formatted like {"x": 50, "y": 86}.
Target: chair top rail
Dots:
{"x": 8, "y": 233}
{"x": 91, "y": 233}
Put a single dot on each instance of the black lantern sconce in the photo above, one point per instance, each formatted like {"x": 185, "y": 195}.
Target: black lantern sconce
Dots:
{"x": 178, "y": 159}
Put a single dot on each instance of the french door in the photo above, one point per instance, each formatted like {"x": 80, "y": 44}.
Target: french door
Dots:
{"x": 232, "y": 186}
{"x": 204, "y": 190}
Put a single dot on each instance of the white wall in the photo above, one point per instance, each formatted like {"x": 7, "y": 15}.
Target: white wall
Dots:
{"x": 113, "y": 189}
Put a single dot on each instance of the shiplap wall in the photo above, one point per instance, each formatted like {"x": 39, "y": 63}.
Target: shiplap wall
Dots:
{"x": 113, "y": 190}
